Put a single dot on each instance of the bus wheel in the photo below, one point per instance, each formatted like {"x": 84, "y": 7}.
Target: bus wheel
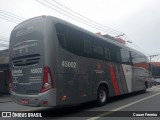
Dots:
{"x": 102, "y": 96}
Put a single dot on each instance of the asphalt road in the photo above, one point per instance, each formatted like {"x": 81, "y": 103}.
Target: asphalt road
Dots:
{"x": 137, "y": 106}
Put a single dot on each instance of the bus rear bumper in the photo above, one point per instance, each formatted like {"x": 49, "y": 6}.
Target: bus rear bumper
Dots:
{"x": 46, "y": 99}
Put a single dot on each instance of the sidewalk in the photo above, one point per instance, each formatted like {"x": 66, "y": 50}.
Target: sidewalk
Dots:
{"x": 5, "y": 98}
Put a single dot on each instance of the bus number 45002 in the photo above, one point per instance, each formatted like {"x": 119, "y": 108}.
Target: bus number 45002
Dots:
{"x": 69, "y": 64}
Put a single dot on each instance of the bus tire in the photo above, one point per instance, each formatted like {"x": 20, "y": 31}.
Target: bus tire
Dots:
{"x": 102, "y": 96}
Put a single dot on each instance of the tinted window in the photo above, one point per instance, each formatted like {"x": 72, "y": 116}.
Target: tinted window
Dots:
{"x": 119, "y": 56}
{"x": 27, "y": 38}
{"x": 62, "y": 40}
{"x": 97, "y": 49}
{"x": 83, "y": 44}
{"x": 106, "y": 53}
{"x": 125, "y": 56}
{"x": 87, "y": 46}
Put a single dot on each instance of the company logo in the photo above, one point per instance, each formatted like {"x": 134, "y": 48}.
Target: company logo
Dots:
{"x": 19, "y": 114}
{"x": 6, "y": 114}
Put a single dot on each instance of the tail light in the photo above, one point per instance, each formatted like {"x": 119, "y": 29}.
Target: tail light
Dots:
{"x": 10, "y": 81}
{"x": 47, "y": 80}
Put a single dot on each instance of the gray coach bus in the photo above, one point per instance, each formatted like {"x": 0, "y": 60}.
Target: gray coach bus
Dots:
{"x": 55, "y": 63}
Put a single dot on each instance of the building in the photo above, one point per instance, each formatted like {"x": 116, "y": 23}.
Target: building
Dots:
{"x": 4, "y": 72}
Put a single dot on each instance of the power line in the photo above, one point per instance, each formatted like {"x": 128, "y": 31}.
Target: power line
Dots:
{"x": 10, "y": 17}
{"x": 88, "y": 20}
{"x": 66, "y": 14}
{"x": 102, "y": 27}
{"x": 86, "y": 17}
{"x": 82, "y": 19}
{"x": 3, "y": 45}
{"x": 70, "y": 15}
{"x": 75, "y": 16}
{"x": 134, "y": 45}
{"x": 17, "y": 19}
{"x": 14, "y": 15}
{"x": 9, "y": 20}
{"x": 5, "y": 42}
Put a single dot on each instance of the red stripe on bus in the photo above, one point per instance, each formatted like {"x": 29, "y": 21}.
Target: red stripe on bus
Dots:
{"x": 114, "y": 80}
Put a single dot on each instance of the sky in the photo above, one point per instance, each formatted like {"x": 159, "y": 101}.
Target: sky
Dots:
{"x": 139, "y": 20}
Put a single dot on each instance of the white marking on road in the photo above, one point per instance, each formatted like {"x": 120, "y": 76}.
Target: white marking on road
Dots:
{"x": 157, "y": 89}
{"x": 122, "y": 107}
{"x": 152, "y": 88}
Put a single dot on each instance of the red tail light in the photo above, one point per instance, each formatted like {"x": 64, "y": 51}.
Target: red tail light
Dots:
{"x": 47, "y": 80}
{"x": 10, "y": 81}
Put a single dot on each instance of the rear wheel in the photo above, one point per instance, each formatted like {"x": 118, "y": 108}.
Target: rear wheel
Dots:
{"x": 102, "y": 96}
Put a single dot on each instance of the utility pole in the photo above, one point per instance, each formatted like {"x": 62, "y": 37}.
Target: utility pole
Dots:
{"x": 152, "y": 56}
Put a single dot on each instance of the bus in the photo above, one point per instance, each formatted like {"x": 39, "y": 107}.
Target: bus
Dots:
{"x": 55, "y": 63}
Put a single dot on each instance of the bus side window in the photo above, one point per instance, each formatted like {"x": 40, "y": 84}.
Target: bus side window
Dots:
{"x": 119, "y": 56}
{"x": 126, "y": 58}
{"x": 107, "y": 53}
{"x": 62, "y": 40}
{"x": 87, "y": 47}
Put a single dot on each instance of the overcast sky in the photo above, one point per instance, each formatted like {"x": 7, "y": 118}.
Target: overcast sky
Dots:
{"x": 138, "y": 19}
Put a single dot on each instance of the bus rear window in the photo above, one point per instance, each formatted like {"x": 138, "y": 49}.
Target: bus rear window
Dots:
{"x": 28, "y": 38}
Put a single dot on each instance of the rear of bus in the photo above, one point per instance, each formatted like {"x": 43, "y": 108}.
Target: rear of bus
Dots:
{"x": 31, "y": 80}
